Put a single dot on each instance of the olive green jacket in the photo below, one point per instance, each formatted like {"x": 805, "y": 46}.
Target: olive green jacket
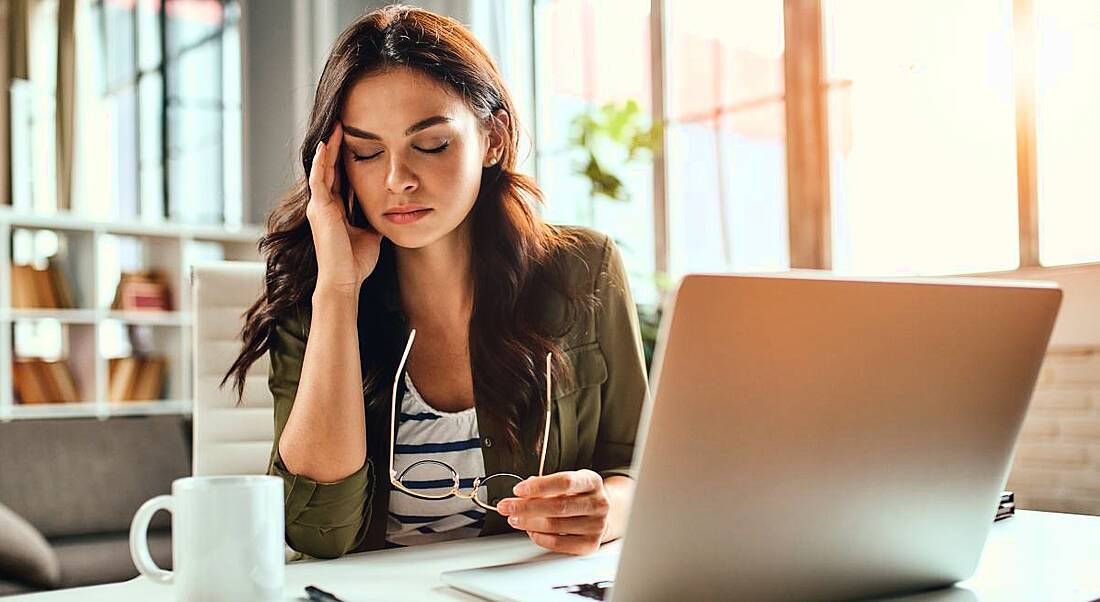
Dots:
{"x": 593, "y": 424}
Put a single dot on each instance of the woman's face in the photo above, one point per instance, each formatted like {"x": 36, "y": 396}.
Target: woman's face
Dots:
{"x": 411, "y": 144}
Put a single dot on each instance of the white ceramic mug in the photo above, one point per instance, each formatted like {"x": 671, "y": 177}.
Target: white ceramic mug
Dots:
{"x": 227, "y": 538}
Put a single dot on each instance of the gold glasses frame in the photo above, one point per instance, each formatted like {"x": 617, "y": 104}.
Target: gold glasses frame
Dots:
{"x": 395, "y": 479}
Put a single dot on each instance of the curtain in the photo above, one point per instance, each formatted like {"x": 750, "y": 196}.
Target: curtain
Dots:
{"x": 13, "y": 65}
{"x": 65, "y": 95}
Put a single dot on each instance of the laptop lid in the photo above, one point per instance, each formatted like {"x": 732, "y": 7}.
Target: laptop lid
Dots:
{"x": 821, "y": 437}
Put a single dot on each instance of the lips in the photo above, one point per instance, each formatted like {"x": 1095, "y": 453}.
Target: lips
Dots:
{"x": 406, "y": 215}
{"x": 406, "y": 209}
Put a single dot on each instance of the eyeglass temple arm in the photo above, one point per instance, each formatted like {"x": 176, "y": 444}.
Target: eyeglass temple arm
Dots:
{"x": 546, "y": 426}
{"x": 393, "y": 398}
{"x": 393, "y": 405}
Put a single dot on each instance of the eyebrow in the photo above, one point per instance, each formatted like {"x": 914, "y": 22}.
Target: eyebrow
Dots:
{"x": 414, "y": 128}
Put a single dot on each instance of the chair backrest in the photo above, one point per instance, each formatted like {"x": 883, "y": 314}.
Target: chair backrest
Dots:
{"x": 229, "y": 438}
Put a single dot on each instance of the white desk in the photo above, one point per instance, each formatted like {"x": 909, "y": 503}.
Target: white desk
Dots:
{"x": 1032, "y": 556}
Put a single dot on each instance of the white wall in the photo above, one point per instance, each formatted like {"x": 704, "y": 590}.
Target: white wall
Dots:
{"x": 1078, "y": 322}
{"x": 1057, "y": 464}
{"x": 268, "y": 103}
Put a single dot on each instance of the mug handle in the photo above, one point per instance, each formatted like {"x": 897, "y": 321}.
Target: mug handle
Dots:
{"x": 139, "y": 539}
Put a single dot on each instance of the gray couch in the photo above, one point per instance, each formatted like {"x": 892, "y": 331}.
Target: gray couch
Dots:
{"x": 78, "y": 483}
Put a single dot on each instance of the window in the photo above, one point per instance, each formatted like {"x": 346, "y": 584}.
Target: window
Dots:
{"x": 161, "y": 84}
{"x": 939, "y": 161}
{"x": 613, "y": 38}
{"x": 1068, "y": 130}
{"x": 204, "y": 121}
{"x": 921, "y": 136}
{"x": 727, "y": 191}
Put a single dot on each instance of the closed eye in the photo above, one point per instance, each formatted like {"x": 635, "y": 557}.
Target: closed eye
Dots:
{"x": 356, "y": 156}
{"x": 439, "y": 149}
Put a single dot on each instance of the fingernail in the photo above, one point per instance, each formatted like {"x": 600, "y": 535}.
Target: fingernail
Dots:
{"x": 521, "y": 488}
{"x": 504, "y": 507}
{"x": 513, "y": 520}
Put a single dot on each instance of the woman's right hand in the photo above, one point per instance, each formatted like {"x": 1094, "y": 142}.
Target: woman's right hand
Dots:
{"x": 346, "y": 254}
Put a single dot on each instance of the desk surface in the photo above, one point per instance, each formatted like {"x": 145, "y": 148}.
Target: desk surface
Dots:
{"x": 1032, "y": 556}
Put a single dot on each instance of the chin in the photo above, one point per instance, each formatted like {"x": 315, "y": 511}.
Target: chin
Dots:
{"x": 402, "y": 237}
{"x": 412, "y": 236}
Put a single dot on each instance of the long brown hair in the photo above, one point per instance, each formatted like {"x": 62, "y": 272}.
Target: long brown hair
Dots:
{"x": 516, "y": 257}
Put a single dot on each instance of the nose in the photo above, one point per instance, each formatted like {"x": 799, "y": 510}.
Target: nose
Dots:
{"x": 399, "y": 178}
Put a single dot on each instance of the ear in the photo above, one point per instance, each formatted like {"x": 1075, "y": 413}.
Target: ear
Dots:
{"x": 497, "y": 138}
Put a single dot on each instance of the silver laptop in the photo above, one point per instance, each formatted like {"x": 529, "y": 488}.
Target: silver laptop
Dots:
{"x": 814, "y": 437}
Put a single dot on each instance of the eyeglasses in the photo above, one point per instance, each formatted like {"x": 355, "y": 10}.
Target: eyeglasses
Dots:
{"x": 399, "y": 481}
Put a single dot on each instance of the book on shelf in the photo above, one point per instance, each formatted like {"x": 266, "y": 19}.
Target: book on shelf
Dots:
{"x": 26, "y": 385}
{"x": 44, "y": 294}
{"x": 22, "y": 286}
{"x": 51, "y": 390}
{"x": 150, "y": 378}
{"x": 62, "y": 380}
{"x": 145, "y": 290}
{"x": 39, "y": 381}
{"x": 59, "y": 282}
{"x": 39, "y": 288}
{"x": 135, "y": 378}
{"x": 120, "y": 375}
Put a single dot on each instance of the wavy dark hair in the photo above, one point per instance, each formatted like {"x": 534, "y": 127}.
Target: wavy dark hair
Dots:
{"x": 517, "y": 258}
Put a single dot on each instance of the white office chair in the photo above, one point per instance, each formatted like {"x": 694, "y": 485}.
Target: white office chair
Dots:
{"x": 228, "y": 438}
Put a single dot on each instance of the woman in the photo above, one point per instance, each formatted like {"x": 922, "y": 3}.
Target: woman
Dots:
{"x": 412, "y": 219}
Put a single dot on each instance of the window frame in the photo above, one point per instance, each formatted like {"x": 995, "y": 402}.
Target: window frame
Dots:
{"x": 169, "y": 98}
{"x": 808, "y": 202}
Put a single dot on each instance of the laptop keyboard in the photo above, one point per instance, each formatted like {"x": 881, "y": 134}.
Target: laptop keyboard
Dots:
{"x": 593, "y": 591}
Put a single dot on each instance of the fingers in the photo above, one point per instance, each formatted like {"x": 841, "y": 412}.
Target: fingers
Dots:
{"x": 566, "y": 544}
{"x": 322, "y": 172}
{"x": 565, "y": 512}
{"x": 560, "y": 483}
{"x": 332, "y": 155}
{"x": 559, "y": 506}
{"x": 332, "y": 147}
{"x": 572, "y": 525}
{"x": 317, "y": 183}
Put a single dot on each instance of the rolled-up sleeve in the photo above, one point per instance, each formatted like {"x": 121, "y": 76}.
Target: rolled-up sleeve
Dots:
{"x": 322, "y": 519}
{"x": 625, "y": 390}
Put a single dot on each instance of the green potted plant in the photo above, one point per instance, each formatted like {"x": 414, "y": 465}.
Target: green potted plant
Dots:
{"x": 609, "y": 138}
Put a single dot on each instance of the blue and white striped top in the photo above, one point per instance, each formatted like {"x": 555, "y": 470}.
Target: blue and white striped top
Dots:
{"x": 424, "y": 433}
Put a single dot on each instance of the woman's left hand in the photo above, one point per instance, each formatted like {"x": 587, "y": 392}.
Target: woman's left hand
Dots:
{"x": 563, "y": 512}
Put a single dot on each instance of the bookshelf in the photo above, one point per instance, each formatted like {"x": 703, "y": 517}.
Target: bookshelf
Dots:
{"x": 91, "y": 255}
